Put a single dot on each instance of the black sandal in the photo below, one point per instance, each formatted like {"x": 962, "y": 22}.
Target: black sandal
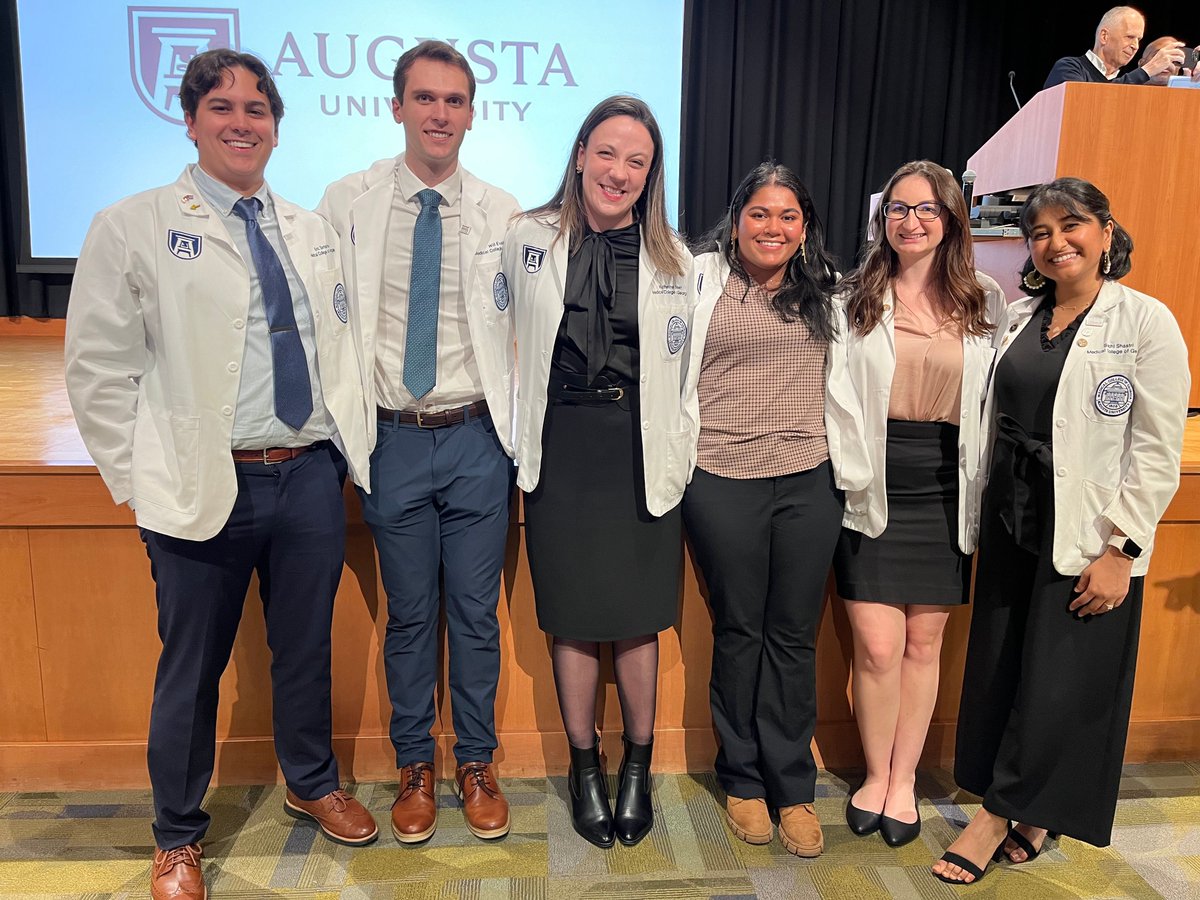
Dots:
{"x": 1025, "y": 844}
{"x": 963, "y": 863}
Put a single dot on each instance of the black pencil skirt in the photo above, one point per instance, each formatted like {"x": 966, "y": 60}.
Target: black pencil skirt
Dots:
{"x": 603, "y": 567}
{"x": 916, "y": 559}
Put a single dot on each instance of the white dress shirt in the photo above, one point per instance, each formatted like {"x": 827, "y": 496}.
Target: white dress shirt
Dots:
{"x": 458, "y": 380}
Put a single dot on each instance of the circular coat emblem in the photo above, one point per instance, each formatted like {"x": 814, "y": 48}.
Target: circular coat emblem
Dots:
{"x": 339, "y": 303}
{"x": 677, "y": 332}
{"x": 1114, "y": 395}
{"x": 500, "y": 291}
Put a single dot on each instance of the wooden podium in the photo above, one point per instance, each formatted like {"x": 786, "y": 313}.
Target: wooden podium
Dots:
{"x": 1138, "y": 144}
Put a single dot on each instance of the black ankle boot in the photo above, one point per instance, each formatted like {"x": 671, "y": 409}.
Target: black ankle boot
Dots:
{"x": 634, "y": 815}
{"x": 586, "y": 782}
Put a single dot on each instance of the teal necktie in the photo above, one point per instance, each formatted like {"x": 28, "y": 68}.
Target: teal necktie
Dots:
{"x": 424, "y": 283}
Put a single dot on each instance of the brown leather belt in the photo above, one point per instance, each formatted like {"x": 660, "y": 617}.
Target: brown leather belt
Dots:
{"x": 439, "y": 419}
{"x": 272, "y": 456}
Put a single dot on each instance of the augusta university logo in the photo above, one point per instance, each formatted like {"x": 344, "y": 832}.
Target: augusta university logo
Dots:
{"x": 161, "y": 42}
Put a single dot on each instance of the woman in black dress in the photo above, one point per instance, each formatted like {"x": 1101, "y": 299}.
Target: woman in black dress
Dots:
{"x": 603, "y": 294}
{"x": 1086, "y": 412}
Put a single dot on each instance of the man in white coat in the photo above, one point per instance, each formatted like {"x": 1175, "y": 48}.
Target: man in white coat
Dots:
{"x": 423, "y": 240}
{"x": 213, "y": 368}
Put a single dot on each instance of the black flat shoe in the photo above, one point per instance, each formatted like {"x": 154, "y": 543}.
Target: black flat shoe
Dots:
{"x": 860, "y": 821}
{"x": 896, "y": 833}
{"x": 591, "y": 816}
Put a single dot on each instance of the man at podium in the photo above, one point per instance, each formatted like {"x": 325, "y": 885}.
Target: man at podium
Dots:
{"x": 1117, "y": 38}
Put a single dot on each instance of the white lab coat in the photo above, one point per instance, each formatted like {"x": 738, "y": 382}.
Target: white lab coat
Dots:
{"x": 872, "y": 365}
{"x": 1119, "y": 414}
{"x": 154, "y": 350}
{"x": 665, "y": 304}
{"x": 843, "y": 409}
{"x": 358, "y": 207}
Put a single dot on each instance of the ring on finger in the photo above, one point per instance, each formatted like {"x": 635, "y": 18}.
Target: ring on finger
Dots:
{"x": 1110, "y": 606}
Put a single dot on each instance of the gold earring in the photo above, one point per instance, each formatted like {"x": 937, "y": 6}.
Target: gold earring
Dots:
{"x": 804, "y": 254}
{"x": 1107, "y": 266}
{"x": 1033, "y": 281}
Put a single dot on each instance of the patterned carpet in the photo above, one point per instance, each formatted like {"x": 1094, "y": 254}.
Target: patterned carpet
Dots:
{"x": 98, "y": 845}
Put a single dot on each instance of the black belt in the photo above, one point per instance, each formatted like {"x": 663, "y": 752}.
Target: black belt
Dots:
{"x": 272, "y": 456}
{"x": 572, "y": 394}
{"x": 439, "y": 419}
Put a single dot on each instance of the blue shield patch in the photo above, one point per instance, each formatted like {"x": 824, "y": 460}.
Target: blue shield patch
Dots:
{"x": 500, "y": 291}
{"x": 184, "y": 245}
{"x": 533, "y": 257}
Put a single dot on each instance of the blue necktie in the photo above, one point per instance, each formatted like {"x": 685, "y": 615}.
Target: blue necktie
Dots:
{"x": 424, "y": 289}
{"x": 293, "y": 390}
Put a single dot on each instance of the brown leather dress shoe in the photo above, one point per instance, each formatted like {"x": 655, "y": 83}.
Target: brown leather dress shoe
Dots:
{"x": 484, "y": 805}
{"x": 342, "y": 818}
{"x": 749, "y": 819}
{"x": 414, "y": 814}
{"x": 800, "y": 830}
{"x": 176, "y": 875}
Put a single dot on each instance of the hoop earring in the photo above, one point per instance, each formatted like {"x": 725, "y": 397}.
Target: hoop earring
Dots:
{"x": 1033, "y": 281}
{"x": 1106, "y": 267}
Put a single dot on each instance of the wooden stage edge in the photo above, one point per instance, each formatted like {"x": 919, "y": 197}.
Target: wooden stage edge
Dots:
{"x": 78, "y": 646}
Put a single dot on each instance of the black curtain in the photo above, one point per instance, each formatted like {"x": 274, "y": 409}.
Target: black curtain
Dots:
{"x": 840, "y": 92}
{"x": 843, "y": 92}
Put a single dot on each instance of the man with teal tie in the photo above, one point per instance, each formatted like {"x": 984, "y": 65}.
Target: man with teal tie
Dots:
{"x": 212, "y": 368}
{"x": 423, "y": 239}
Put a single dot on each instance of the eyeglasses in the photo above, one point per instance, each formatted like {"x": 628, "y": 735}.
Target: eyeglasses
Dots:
{"x": 897, "y": 210}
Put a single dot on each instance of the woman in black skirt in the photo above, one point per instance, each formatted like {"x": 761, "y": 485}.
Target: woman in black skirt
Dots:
{"x": 920, "y": 321}
{"x": 603, "y": 294}
{"x": 1085, "y": 416}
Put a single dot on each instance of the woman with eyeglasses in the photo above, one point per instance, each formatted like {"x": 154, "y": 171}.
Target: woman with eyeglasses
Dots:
{"x": 920, "y": 321}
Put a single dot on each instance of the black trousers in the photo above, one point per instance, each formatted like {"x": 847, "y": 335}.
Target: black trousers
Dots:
{"x": 289, "y": 525}
{"x": 1046, "y": 696}
{"x": 764, "y": 546}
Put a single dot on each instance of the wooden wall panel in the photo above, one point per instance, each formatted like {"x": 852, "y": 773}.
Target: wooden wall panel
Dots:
{"x": 22, "y": 714}
{"x": 96, "y": 631}
{"x": 78, "y": 650}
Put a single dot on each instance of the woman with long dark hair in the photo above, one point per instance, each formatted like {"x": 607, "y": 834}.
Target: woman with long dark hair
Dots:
{"x": 771, "y": 402}
{"x": 1084, "y": 419}
{"x": 603, "y": 294}
{"x": 919, "y": 349}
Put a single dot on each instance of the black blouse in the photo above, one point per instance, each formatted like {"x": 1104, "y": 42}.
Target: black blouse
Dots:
{"x": 598, "y": 337}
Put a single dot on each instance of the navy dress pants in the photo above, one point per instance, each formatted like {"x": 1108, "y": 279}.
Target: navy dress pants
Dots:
{"x": 288, "y": 524}
{"x": 439, "y": 504}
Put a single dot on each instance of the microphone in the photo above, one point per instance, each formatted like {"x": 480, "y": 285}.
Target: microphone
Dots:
{"x": 1011, "y": 87}
{"x": 968, "y": 188}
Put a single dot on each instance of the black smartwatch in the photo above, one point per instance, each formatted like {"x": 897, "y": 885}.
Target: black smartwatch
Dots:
{"x": 1125, "y": 546}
